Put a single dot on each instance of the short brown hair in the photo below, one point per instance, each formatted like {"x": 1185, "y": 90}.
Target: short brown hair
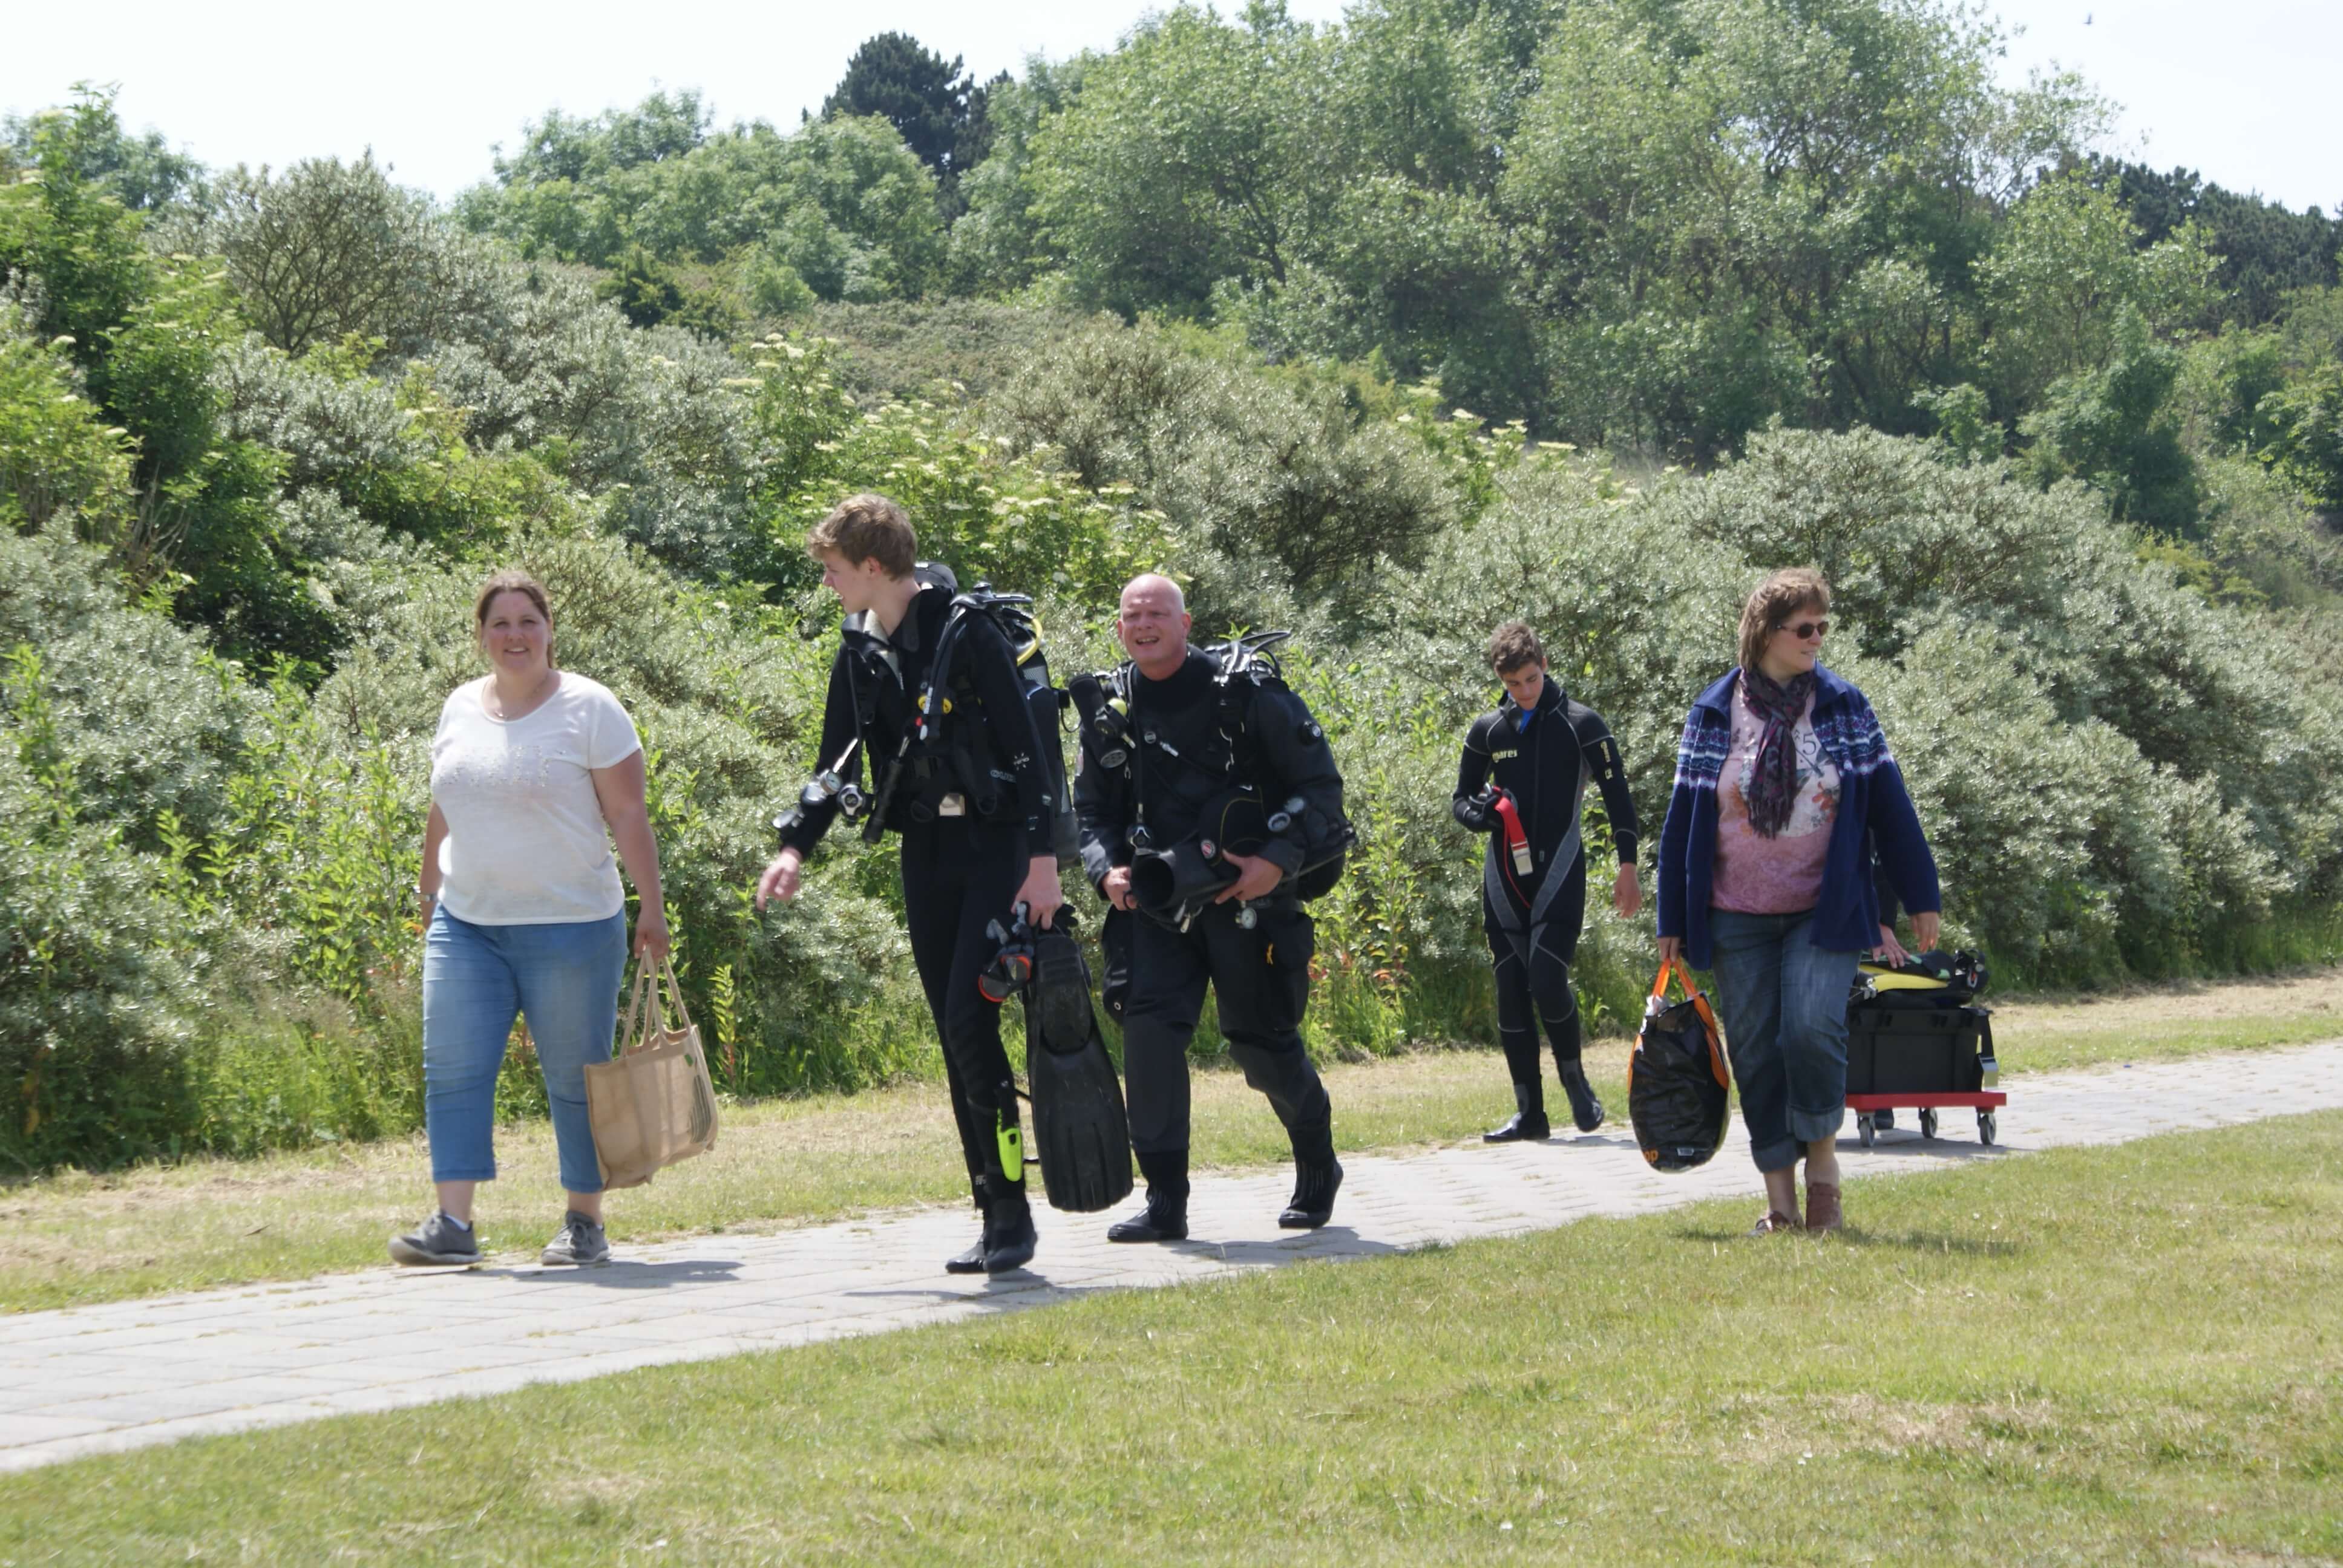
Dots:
{"x": 1778, "y": 598}
{"x": 866, "y": 528}
{"x": 512, "y": 580}
{"x": 1514, "y": 646}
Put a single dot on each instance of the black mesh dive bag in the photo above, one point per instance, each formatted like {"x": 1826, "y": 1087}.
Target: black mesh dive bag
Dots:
{"x": 1677, "y": 1081}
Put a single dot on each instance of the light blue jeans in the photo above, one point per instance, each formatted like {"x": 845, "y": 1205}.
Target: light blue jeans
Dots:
{"x": 1782, "y": 1003}
{"x": 564, "y": 979}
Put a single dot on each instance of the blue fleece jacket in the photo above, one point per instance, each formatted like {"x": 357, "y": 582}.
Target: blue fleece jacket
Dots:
{"x": 1874, "y": 813}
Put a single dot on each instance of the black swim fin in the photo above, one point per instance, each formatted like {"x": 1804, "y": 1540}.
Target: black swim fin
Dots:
{"x": 1080, "y": 1128}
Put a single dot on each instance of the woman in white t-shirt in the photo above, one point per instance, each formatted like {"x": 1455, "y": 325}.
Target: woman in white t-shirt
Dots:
{"x": 534, "y": 771}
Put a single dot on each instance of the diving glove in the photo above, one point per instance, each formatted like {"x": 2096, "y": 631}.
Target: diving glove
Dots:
{"x": 1478, "y": 811}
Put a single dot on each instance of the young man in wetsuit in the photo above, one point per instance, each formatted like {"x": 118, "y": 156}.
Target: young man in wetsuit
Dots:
{"x": 972, "y": 848}
{"x": 1196, "y": 728}
{"x": 1522, "y": 781}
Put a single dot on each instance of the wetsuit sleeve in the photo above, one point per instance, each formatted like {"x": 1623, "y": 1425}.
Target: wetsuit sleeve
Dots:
{"x": 1472, "y": 775}
{"x": 1608, "y": 769}
{"x": 838, "y": 731}
{"x": 1008, "y": 729}
{"x": 1102, "y": 810}
{"x": 1293, "y": 747}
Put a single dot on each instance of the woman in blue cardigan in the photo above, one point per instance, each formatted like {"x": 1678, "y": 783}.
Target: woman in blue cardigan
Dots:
{"x": 1785, "y": 790}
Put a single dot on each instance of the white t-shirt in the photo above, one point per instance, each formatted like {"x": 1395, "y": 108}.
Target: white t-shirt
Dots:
{"x": 526, "y": 844}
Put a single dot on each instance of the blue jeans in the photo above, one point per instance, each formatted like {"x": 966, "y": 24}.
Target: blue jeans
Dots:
{"x": 475, "y": 979}
{"x": 1782, "y": 1003}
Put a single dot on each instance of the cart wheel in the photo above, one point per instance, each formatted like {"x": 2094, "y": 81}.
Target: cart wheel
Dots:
{"x": 1863, "y": 1127}
{"x": 1928, "y": 1121}
{"x": 1986, "y": 1127}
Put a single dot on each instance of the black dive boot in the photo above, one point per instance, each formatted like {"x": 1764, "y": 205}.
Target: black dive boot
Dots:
{"x": 1586, "y": 1111}
{"x": 972, "y": 1261}
{"x": 1317, "y": 1177}
{"x": 1165, "y": 1218}
{"x": 1315, "y": 1186}
{"x": 1009, "y": 1238}
{"x": 1527, "y": 1123}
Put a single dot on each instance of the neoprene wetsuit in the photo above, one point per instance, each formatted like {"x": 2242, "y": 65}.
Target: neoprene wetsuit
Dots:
{"x": 1534, "y": 916}
{"x": 1259, "y": 972}
{"x": 962, "y": 862}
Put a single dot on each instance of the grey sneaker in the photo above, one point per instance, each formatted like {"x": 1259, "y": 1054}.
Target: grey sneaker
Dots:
{"x": 580, "y": 1240}
{"x": 436, "y": 1244}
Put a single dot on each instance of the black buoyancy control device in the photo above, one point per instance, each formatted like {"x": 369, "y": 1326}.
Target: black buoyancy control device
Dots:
{"x": 1012, "y": 615}
{"x": 1174, "y": 883}
{"x": 977, "y": 778}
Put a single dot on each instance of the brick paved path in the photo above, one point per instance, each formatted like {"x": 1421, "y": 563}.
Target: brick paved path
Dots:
{"x": 137, "y": 1372}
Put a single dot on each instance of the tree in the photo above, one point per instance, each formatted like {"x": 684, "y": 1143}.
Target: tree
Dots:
{"x": 1191, "y": 156}
{"x": 937, "y": 110}
{"x": 2264, "y": 248}
{"x": 997, "y": 242}
{"x": 146, "y": 333}
{"x": 842, "y": 202}
{"x": 141, "y": 172}
{"x": 1753, "y": 208}
{"x": 2307, "y": 445}
{"x": 2114, "y": 427}
{"x": 2063, "y": 270}
{"x": 321, "y": 252}
{"x": 580, "y": 148}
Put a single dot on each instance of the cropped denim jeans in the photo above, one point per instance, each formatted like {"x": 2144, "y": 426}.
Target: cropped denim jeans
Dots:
{"x": 1782, "y": 1003}
{"x": 564, "y": 978}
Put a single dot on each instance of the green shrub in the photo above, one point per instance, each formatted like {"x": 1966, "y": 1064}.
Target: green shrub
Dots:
{"x": 57, "y": 459}
{"x": 1266, "y": 484}
{"x": 97, "y": 966}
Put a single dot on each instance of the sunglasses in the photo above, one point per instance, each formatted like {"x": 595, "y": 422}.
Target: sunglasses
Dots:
{"x": 1805, "y": 628}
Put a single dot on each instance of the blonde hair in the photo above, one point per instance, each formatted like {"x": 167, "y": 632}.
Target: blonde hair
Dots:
{"x": 1778, "y": 598}
{"x": 512, "y": 580}
{"x": 866, "y": 528}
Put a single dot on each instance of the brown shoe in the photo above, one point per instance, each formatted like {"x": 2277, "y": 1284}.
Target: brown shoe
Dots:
{"x": 1821, "y": 1208}
{"x": 1774, "y": 1222}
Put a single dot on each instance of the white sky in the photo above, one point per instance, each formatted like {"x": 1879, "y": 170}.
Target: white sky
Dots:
{"x": 2232, "y": 89}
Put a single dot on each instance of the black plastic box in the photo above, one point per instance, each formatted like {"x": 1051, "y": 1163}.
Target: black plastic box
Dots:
{"x": 1903, "y": 1049}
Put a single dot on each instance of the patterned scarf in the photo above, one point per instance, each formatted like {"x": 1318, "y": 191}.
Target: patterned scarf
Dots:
{"x": 1773, "y": 780}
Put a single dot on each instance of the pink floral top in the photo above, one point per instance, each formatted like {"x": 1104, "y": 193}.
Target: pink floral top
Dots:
{"x": 1780, "y": 876}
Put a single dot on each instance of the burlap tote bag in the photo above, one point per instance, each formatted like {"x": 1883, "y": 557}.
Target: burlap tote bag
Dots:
{"x": 653, "y": 1103}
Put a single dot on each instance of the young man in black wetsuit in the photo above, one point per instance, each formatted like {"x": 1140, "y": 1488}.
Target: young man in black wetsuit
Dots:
{"x": 1193, "y": 731}
{"x": 1522, "y": 781}
{"x": 973, "y": 802}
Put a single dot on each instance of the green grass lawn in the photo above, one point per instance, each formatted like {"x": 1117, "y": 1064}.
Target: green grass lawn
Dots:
{"x": 75, "y": 1238}
{"x": 2119, "y": 1355}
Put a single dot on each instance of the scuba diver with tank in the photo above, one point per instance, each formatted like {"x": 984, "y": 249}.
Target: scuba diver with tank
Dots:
{"x": 1210, "y": 809}
{"x": 929, "y": 696}
{"x": 1522, "y": 781}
